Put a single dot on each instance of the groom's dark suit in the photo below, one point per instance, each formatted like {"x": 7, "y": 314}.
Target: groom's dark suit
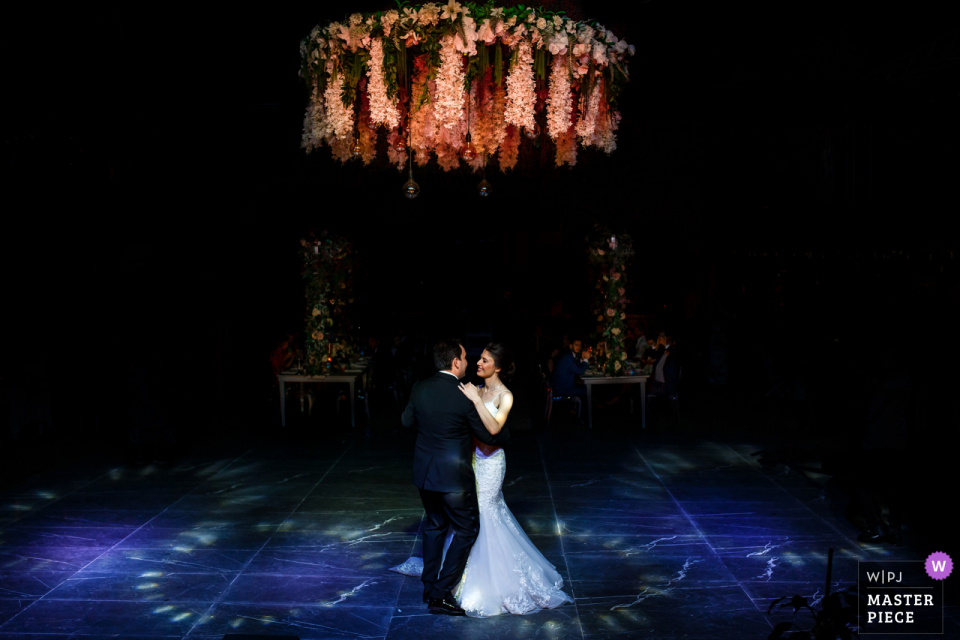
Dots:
{"x": 443, "y": 471}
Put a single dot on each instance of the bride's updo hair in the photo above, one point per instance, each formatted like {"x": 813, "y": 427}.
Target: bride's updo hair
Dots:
{"x": 501, "y": 359}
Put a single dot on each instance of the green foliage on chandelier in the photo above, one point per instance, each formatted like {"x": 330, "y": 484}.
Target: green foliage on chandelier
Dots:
{"x": 328, "y": 279}
{"x": 609, "y": 255}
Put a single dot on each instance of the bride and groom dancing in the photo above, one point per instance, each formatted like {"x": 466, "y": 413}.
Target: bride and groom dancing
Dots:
{"x": 477, "y": 561}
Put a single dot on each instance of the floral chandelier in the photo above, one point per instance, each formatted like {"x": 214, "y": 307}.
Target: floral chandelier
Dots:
{"x": 462, "y": 82}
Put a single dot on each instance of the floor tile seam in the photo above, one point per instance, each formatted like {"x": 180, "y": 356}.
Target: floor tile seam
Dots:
{"x": 682, "y": 510}
{"x": 807, "y": 507}
{"x": 217, "y": 573}
{"x": 108, "y": 550}
{"x": 266, "y": 542}
{"x": 690, "y": 520}
{"x": 98, "y": 478}
{"x": 30, "y": 634}
{"x": 154, "y": 603}
{"x": 271, "y": 603}
{"x": 394, "y": 609}
{"x": 546, "y": 476}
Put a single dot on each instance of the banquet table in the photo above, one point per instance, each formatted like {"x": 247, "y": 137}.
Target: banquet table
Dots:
{"x": 591, "y": 378}
{"x": 349, "y": 377}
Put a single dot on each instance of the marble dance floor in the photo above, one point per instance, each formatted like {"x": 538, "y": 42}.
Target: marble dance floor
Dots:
{"x": 655, "y": 538}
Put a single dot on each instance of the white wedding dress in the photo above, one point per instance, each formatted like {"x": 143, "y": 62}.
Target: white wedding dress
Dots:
{"x": 505, "y": 572}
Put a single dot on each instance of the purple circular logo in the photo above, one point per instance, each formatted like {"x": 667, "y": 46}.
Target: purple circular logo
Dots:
{"x": 938, "y": 565}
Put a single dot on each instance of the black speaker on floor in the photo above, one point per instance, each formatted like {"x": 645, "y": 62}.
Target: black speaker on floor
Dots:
{"x": 256, "y": 636}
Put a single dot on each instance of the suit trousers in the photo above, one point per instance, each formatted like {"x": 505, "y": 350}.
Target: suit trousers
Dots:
{"x": 442, "y": 575}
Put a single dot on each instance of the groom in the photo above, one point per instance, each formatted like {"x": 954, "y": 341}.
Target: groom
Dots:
{"x": 443, "y": 471}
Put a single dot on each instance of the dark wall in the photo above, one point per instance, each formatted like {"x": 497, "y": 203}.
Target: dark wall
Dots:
{"x": 157, "y": 197}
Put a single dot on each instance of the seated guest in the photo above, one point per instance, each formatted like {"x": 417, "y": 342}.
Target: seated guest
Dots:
{"x": 650, "y": 353}
{"x": 282, "y": 357}
{"x": 656, "y": 347}
{"x": 642, "y": 345}
{"x": 570, "y": 365}
{"x": 551, "y": 364}
{"x": 666, "y": 372}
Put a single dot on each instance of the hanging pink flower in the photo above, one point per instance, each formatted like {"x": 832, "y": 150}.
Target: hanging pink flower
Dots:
{"x": 510, "y": 148}
{"x": 521, "y": 89}
{"x": 611, "y": 313}
{"x": 587, "y": 124}
{"x": 423, "y": 122}
{"x": 339, "y": 117}
{"x": 559, "y": 102}
{"x": 383, "y": 110}
{"x": 368, "y": 134}
{"x": 450, "y": 79}
{"x": 567, "y": 148}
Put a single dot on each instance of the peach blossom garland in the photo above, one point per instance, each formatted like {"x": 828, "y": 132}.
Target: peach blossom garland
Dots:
{"x": 383, "y": 110}
{"x": 339, "y": 117}
{"x": 450, "y": 82}
{"x": 559, "y": 101}
{"x": 521, "y": 90}
{"x": 586, "y": 66}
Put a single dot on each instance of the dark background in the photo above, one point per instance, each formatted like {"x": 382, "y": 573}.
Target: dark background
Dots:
{"x": 788, "y": 175}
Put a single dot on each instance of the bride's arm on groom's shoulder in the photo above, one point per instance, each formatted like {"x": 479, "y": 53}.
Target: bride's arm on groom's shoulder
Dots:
{"x": 492, "y": 424}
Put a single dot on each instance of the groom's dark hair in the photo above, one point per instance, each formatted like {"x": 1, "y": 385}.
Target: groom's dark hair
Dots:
{"x": 444, "y": 351}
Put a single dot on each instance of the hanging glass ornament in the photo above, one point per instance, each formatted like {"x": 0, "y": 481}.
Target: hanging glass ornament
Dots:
{"x": 534, "y": 133}
{"x": 484, "y": 188}
{"x": 469, "y": 152}
{"x": 400, "y": 145}
{"x": 410, "y": 188}
{"x": 357, "y": 150}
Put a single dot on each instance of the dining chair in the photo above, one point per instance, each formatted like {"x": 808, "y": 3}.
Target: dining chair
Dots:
{"x": 672, "y": 400}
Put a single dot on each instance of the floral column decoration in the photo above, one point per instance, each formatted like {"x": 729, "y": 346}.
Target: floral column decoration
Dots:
{"x": 609, "y": 255}
{"x": 328, "y": 276}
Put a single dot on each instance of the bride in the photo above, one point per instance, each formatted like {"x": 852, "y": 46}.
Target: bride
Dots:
{"x": 505, "y": 572}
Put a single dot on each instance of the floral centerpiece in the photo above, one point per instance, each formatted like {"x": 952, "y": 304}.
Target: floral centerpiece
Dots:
{"x": 328, "y": 275}
{"x": 609, "y": 255}
{"x": 461, "y": 82}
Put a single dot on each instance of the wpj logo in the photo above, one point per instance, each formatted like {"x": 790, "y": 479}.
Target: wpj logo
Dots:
{"x": 900, "y": 598}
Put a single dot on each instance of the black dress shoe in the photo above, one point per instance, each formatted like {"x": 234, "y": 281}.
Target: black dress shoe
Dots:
{"x": 873, "y": 534}
{"x": 446, "y": 606}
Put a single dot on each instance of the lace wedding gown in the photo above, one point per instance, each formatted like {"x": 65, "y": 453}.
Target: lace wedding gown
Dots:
{"x": 505, "y": 572}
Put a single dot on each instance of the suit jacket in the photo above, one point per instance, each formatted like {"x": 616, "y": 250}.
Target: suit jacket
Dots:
{"x": 564, "y": 370}
{"x": 671, "y": 372}
{"x": 446, "y": 424}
